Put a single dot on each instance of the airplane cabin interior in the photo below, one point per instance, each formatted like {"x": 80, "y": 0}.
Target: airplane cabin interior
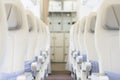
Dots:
{"x": 59, "y": 39}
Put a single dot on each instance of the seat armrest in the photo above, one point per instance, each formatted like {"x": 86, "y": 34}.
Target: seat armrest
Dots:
{"x": 24, "y": 77}
{"x": 98, "y": 76}
{"x": 41, "y": 59}
{"x": 79, "y": 59}
{"x": 86, "y": 66}
{"x": 44, "y": 54}
{"x": 21, "y": 77}
{"x": 72, "y": 52}
{"x": 34, "y": 66}
{"x": 74, "y": 55}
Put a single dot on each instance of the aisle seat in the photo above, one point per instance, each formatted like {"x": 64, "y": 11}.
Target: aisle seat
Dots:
{"x": 13, "y": 64}
{"x": 107, "y": 40}
{"x": 89, "y": 38}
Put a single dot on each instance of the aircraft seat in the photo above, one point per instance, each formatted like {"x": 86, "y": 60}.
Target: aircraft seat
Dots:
{"x": 71, "y": 50}
{"x": 82, "y": 47}
{"x": 41, "y": 51}
{"x": 75, "y": 52}
{"x": 3, "y": 39}
{"x": 32, "y": 42}
{"x": 3, "y": 32}
{"x": 89, "y": 38}
{"x": 107, "y": 40}
{"x": 13, "y": 64}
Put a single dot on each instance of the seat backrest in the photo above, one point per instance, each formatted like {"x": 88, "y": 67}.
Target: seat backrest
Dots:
{"x": 47, "y": 38}
{"x": 3, "y": 33}
{"x": 43, "y": 36}
{"x": 17, "y": 37}
{"x": 38, "y": 46}
{"x": 75, "y": 35}
{"x": 32, "y": 42}
{"x": 71, "y": 48}
{"x": 107, "y": 36}
{"x": 89, "y": 37}
{"x": 81, "y": 35}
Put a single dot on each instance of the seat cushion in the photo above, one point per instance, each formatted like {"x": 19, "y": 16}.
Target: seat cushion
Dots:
{"x": 94, "y": 67}
{"x": 10, "y": 76}
{"x": 84, "y": 57}
{"x": 112, "y": 76}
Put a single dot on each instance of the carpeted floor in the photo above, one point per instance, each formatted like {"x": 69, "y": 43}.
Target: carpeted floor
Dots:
{"x": 59, "y": 77}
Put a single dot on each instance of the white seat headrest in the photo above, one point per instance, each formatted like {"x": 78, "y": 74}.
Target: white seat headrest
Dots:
{"x": 31, "y": 21}
{"x": 14, "y": 10}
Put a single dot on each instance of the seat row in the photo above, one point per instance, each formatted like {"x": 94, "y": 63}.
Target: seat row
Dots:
{"x": 24, "y": 43}
{"x": 94, "y": 44}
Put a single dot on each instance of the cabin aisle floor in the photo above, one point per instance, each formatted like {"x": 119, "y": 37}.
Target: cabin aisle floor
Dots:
{"x": 59, "y": 76}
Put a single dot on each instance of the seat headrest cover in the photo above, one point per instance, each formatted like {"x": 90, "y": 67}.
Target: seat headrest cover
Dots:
{"x": 30, "y": 23}
{"x": 18, "y": 20}
{"x": 83, "y": 22}
{"x": 112, "y": 20}
{"x": 13, "y": 17}
{"x": 92, "y": 25}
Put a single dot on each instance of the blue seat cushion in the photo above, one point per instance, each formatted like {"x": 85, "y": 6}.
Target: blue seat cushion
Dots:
{"x": 84, "y": 57}
{"x": 112, "y": 76}
{"x": 10, "y": 76}
{"x": 27, "y": 65}
{"x": 94, "y": 67}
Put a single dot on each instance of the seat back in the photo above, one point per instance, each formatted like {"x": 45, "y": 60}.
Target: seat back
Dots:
{"x": 38, "y": 46}
{"x": 81, "y": 35}
{"x": 75, "y": 36}
{"x": 107, "y": 36}
{"x": 17, "y": 37}
{"x": 32, "y": 42}
{"x": 89, "y": 37}
{"x": 45, "y": 37}
{"x": 3, "y": 33}
{"x": 48, "y": 38}
{"x": 72, "y": 47}
{"x": 43, "y": 34}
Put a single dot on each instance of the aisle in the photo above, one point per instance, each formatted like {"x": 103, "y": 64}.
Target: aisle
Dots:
{"x": 59, "y": 77}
